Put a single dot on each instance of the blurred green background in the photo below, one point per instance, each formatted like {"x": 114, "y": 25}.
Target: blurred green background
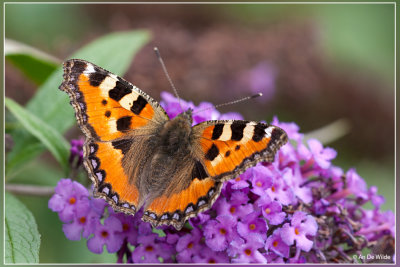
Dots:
{"x": 325, "y": 62}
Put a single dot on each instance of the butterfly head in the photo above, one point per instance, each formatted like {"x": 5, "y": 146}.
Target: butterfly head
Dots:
{"x": 187, "y": 115}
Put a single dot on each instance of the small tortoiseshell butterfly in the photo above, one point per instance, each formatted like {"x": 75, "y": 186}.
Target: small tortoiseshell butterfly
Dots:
{"x": 137, "y": 157}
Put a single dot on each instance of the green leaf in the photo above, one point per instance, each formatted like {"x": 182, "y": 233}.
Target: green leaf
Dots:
{"x": 22, "y": 238}
{"x": 113, "y": 52}
{"x": 35, "y": 64}
{"x": 31, "y": 151}
{"x": 52, "y": 139}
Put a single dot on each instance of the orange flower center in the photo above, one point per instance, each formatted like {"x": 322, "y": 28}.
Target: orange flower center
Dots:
{"x": 190, "y": 245}
{"x": 237, "y": 179}
{"x": 273, "y": 189}
{"x": 72, "y": 200}
{"x": 149, "y": 248}
{"x": 259, "y": 184}
{"x": 212, "y": 261}
{"x": 82, "y": 219}
{"x": 252, "y": 226}
{"x": 125, "y": 227}
{"x": 104, "y": 234}
{"x": 232, "y": 210}
{"x": 275, "y": 243}
{"x": 222, "y": 231}
{"x": 296, "y": 231}
{"x": 267, "y": 210}
{"x": 247, "y": 252}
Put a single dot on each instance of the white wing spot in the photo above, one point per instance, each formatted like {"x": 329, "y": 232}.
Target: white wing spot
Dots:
{"x": 106, "y": 190}
{"x": 94, "y": 164}
{"x": 99, "y": 176}
{"x": 127, "y": 101}
{"x": 107, "y": 84}
{"x": 268, "y": 131}
{"x": 217, "y": 160}
{"x": 189, "y": 209}
{"x": 211, "y": 193}
{"x": 89, "y": 69}
{"x": 112, "y": 124}
{"x": 248, "y": 132}
{"x": 226, "y": 133}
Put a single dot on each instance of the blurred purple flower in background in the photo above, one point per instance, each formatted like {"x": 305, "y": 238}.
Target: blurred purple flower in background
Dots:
{"x": 300, "y": 208}
{"x": 259, "y": 79}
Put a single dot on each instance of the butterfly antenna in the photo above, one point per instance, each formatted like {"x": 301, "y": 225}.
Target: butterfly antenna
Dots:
{"x": 231, "y": 102}
{"x": 167, "y": 75}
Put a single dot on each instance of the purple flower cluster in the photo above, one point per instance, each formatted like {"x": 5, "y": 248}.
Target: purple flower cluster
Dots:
{"x": 298, "y": 209}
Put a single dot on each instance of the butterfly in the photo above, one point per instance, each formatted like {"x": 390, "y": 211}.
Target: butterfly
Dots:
{"x": 138, "y": 157}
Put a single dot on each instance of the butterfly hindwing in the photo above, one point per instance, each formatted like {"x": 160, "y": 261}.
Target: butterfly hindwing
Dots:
{"x": 176, "y": 208}
{"x": 104, "y": 161}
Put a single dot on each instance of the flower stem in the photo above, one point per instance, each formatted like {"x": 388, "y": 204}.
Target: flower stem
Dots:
{"x": 31, "y": 190}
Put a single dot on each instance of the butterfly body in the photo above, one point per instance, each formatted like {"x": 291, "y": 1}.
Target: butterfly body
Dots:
{"x": 172, "y": 147}
{"x": 137, "y": 157}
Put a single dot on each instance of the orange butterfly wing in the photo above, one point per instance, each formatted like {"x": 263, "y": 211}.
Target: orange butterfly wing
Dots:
{"x": 112, "y": 113}
{"x": 230, "y": 147}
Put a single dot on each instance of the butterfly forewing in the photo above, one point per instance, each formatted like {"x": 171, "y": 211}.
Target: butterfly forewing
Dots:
{"x": 117, "y": 118}
{"x": 228, "y": 148}
{"x": 106, "y": 105}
